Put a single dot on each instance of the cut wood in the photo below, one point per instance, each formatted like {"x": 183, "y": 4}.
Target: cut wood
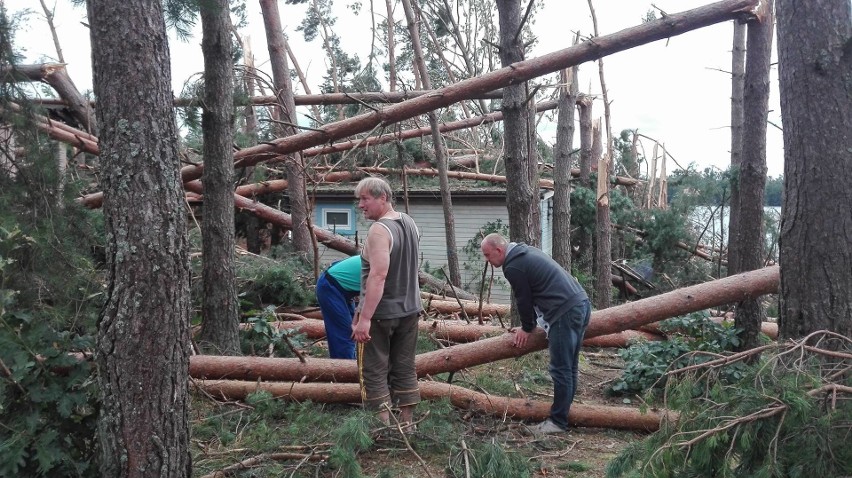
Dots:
{"x": 597, "y": 416}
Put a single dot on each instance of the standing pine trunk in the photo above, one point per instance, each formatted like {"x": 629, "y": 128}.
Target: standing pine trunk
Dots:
{"x": 737, "y": 87}
{"x": 440, "y": 151}
{"x": 815, "y": 70}
{"x": 751, "y": 178}
{"x": 295, "y": 166}
{"x": 519, "y": 139}
{"x": 562, "y": 168}
{"x": 220, "y": 321}
{"x": 143, "y": 334}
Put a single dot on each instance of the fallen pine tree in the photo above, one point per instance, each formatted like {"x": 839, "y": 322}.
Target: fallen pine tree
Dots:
{"x": 460, "y": 332}
{"x": 596, "y": 416}
{"x": 607, "y": 321}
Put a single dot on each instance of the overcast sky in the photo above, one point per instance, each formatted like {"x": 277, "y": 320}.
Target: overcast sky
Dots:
{"x": 675, "y": 91}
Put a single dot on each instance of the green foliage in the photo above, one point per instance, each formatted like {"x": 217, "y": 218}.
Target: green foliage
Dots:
{"x": 48, "y": 400}
{"x": 283, "y": 281}
{"x": 489, "y": 460}
{"x": 772, "y": 422}
{"x": 474, "y": 263}
{"x": 261, "y": 337}
{"x": 647, "y": 362}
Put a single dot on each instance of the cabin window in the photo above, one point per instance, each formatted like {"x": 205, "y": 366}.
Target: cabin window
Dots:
{"x": 338, "y": 219}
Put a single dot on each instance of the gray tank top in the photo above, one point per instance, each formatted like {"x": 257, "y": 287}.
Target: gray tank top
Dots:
{"x": 401, "y": 297}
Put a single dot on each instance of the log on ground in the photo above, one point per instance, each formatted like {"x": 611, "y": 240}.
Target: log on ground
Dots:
{"x": 597, "y": 416}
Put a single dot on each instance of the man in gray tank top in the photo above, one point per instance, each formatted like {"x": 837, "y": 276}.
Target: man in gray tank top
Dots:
{"x": 386, "y": 320}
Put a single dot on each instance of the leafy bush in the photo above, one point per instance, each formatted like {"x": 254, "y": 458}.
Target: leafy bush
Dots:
{"x": 48, "y": 400}
{"x": 647, "y": 361}
{"x": 261, "y": 337}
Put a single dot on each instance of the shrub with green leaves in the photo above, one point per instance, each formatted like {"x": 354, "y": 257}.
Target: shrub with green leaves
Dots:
{"x": 646, "y": 362}
{"x": 261, "y": 337}
{"x": 48, "y": 399}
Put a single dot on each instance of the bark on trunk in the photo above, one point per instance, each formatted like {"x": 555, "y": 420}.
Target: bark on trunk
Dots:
{"x": 595, "y": 416}
{"x": 522, "y": 190}
{"x": 752, "y": 172}
{"x": 440, "y": 152}
{"x": 143, "y": 333}
{"x": 295, "y": 166}
{"x": 562, "y": 168}
{"x": 603, "y": 231}
{"x": 737, "y": 91}
{"x": 815, "y": 71}
{"x": 219, "y": 310}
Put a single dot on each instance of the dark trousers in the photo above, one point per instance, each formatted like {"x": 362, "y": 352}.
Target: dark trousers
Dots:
{"x": 564, "y": 340}
{"x": 389, "y": 372}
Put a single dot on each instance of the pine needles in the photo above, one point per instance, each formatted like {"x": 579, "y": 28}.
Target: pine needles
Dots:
{"x": 791, "y": 414}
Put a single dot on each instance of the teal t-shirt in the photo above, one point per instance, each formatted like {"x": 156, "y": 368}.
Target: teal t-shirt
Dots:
{"x": 347, "y": 273}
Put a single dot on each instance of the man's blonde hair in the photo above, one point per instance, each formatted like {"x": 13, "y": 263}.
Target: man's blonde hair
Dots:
{"x": 375, "y": 186}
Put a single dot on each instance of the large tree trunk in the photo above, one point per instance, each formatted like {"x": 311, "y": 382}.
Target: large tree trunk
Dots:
{"x": 580, "y": 415}
{"x": 522, "y": 191}
{"x": 748, "y": 240}
{"x": 737, "y": 91}
{"x": 603, "y": 231}
{"x": 585, "y": 242}
{"x": 440, "y": 152}
{"x": 562, "y": 168}
{"x": 143, "y": 333}
{"x": 604, "y": 322}
{"x": 295, "y": 166}
{"x": 219, "y": 310}
{"x": 815, "y": 70}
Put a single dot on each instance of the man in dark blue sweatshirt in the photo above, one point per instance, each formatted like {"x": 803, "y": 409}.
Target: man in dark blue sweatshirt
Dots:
{"x": 550, "y": 297}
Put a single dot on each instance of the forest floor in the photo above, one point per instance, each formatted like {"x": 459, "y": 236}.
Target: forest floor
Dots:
{"x": 298, "y": 440}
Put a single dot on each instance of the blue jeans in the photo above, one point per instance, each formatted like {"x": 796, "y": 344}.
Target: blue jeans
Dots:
{"x": 564, "y": 341}
{"x": 337, "y": 309}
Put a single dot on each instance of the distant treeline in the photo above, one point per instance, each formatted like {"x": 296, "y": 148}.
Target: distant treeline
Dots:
{"x": 712, "y": 187}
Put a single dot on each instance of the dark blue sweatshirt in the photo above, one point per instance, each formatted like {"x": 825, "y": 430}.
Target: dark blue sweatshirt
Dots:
{"x": 539, "y": 281}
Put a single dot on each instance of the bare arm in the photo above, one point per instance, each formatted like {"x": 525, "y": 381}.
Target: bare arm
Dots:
{"x": 377, "y": 253}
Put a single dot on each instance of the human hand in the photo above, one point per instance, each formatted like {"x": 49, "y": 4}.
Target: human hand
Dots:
{"x": 520, "y": 339}
{"x": 361, "y": 329}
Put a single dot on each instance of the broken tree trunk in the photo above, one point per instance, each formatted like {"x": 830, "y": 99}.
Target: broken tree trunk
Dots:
{"x": 614, "y": 319}
{"x": 55, "y": 75}
{"x": 596, "y": 416}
